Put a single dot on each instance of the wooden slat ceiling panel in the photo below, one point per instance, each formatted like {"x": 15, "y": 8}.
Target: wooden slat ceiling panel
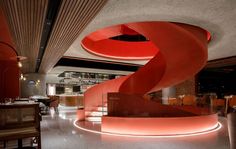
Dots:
{"x": 72, "y": 18}
{"x": 26, "y": 20}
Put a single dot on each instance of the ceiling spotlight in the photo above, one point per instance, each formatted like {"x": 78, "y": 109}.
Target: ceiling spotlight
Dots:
{"x": 24, "y": 78}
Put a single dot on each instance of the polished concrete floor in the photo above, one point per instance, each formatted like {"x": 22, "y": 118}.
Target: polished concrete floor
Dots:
{"x": 58, "y": 132}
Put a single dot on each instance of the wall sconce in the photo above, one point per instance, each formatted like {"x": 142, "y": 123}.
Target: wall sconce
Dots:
{"x": 19, "y": 59}
{"x": 19, "y": 62}
{"x": 22, "y": 77}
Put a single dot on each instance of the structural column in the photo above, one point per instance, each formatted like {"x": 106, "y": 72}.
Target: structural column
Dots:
{"x": 169, "y": 92}
{"x": 35, "y": 84}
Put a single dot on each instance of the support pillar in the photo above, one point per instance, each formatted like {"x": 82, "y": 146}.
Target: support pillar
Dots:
{"x": 35, "y": 84}
{"x": 169, "y": 92}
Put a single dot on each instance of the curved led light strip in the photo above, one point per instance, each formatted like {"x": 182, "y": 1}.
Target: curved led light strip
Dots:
{"x": 210, "y": 130}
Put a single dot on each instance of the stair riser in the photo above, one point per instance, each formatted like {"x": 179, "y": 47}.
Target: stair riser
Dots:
{"x": 93, "y": 119}
{"x": 95, "y": 113}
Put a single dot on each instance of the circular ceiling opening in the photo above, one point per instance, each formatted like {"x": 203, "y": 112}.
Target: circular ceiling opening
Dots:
{"x": 123, "y": 42}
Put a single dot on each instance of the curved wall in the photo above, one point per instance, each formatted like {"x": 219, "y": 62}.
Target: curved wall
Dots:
{"x": 9, "y": 71}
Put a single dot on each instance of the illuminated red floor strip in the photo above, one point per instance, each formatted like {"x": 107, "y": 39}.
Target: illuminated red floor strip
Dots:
{"x": 210, "y": 130}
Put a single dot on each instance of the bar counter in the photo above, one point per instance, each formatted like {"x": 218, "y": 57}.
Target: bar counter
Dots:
{"x": 71, "y": 100}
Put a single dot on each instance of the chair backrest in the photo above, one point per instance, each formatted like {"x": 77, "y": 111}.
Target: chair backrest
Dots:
{"x": 232, "y": 101}
{"x": 189, "y": 100}
{"x": 172, "y": 101}
{"x": 218, "y": 102}
{"x": 19, "y": 116}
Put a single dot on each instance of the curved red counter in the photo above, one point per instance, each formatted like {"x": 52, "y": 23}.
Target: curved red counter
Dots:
{"x": 159, "y": 125}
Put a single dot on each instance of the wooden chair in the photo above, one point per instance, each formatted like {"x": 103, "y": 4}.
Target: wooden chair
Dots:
{"x": 204, "y": 101}
{"x": 189, "y": 100}
{"x": 231, "y": 104}
{"x": 175, "y": 101}
{"x": 19, "y": 121}
{"x": 172, "y": 101}
{"x": 218, "y": 102}
{"x": 232, "y": 101}
{"x": 219, "y": 105}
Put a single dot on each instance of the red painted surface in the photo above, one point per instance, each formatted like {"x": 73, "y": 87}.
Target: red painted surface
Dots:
{"x": 122, "y": 49}
{"x": 131, "y": 105}
{"x": 80, "y": 114}
{"x": 9, "y": 71}
{"x": 99, "y": 43}
{"x": 4, "y": 34}
{"x": 178, "y": 52}
{"x": 158, "y": 126}
{"x": 97, "y": 95}
{"x": 181, "y": 51}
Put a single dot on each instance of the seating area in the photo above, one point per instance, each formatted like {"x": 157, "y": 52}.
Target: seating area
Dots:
{"x": 186, "y": 100}
{"x": 231, "y": 103}
{"x": 221, "y": 106}
{"x": 175, "y": 101}
{"x": 18, "y": 122}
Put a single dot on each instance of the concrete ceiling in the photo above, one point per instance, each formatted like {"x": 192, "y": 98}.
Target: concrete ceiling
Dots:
{"x": 216, "y": 16}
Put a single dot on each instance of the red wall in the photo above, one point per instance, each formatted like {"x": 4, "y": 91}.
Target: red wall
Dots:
{"x": 9, "y": 71}
{"x": 9, "y": 79}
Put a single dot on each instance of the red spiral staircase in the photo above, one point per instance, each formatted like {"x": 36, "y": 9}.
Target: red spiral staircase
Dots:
{"x": 176, "y": 52}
